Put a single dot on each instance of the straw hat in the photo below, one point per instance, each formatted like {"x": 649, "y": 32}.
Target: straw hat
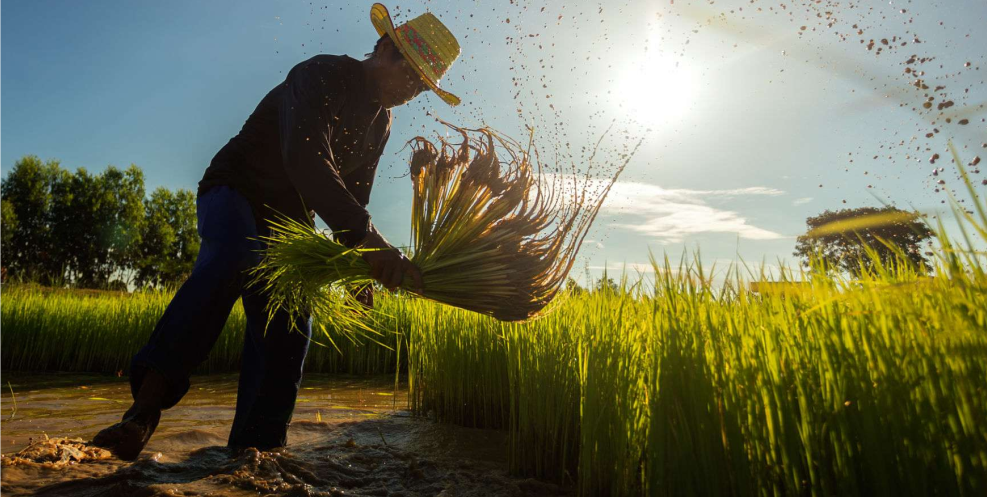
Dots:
{"x": 425, "y": 42}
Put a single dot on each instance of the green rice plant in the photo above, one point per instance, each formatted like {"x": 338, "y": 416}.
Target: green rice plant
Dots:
{"x": 544, "y": 395}
{"x": 467, "y": 387}
{"x": 613, "y": 349}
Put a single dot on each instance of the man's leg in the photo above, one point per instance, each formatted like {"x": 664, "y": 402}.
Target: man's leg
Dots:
{"x": 270, "y": 374}
{"x": 190, "y": 325}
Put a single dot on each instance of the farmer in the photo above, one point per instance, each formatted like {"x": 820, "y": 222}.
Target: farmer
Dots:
{"x": 312, "y": 143}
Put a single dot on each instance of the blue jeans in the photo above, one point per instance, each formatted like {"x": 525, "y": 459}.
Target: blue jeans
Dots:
{"x": 271, "y": 364}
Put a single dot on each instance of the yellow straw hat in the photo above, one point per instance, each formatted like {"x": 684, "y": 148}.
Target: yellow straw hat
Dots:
{"x": 425, "y": 42}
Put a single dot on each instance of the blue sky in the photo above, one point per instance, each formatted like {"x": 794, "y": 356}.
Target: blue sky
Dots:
{"x": 743, "y": 113}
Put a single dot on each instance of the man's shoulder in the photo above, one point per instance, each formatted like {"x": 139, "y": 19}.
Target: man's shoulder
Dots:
{"x": 337, "y": 66}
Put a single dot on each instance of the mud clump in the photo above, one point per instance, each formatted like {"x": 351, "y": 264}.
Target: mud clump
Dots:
{"x": 55, "y": 453}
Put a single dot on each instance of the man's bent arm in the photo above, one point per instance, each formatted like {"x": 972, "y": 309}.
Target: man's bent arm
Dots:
{"x": 310, "y": 100}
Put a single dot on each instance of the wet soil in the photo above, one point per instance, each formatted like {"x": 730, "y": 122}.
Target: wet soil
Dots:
{"x": 349, "y": 436}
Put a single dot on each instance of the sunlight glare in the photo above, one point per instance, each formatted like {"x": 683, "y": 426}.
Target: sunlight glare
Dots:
{"x": 653, "y": 90}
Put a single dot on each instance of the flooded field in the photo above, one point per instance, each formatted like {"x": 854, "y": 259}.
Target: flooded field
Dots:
{"x": 349, "y": 436}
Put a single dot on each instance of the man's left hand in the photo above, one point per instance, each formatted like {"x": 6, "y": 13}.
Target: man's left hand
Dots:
{"x": 364, "y": 295}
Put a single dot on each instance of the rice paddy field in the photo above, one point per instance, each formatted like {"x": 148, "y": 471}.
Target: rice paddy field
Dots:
{"x": 830, "y": 386}
{"x": 46, "y": 329}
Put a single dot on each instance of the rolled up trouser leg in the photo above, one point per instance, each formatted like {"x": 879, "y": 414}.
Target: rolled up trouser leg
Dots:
{"x": 197, "y": 313}
{"x": 270, "y": 375}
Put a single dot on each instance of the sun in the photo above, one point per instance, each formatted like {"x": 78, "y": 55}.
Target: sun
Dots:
{"x": 656, "y": 89}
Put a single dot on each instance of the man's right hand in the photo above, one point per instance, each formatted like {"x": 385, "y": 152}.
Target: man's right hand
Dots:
{"x": 387, "y": 264}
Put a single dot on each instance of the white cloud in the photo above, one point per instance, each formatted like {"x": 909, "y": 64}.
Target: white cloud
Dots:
{"x": 803, "y": 200}
{"x": 626, "y": 267}
{"x": 594, "y": 243}
{"x": 751, "y": 190}
{"x": 670, "y": 215}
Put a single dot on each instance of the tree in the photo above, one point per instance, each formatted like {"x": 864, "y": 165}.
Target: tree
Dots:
{"x": 607, "y": 285}
{"x": 8, "y": 225}
{"x": 28, "y": 248}
{"x": 125, "y": 216}
{"x": 66, "y": 230}
{"x": 157, "y": 236}
{"x": 75, "y": 224}
{"x": 169, "y": 241}
{"x": 185, "y": 224}
{"x": 572, "y": 286}
{"x": 840, "y": 239}
{"x": 100, "y": 222}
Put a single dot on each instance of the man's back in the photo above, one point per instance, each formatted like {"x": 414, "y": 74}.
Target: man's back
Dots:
{"x": 251, "y": 162}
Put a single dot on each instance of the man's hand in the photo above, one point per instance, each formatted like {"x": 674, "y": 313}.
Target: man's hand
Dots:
{"x": 387, "y": 264}
{"x": 364, "y": 295}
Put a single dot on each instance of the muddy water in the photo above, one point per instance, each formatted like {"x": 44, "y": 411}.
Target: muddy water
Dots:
{"x": 349, "y": 436}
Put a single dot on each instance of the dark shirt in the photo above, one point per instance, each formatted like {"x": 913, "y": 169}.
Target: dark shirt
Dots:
{"x": 312, "y": 143}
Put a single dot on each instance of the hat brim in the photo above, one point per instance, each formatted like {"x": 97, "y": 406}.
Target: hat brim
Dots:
{"x": 381, "y": 20}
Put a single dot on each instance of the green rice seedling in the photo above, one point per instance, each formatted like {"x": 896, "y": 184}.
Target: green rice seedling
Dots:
{"x": 544, "y": 394}
{"x": 613, "y": 349}
{"x": 467, "y": 387}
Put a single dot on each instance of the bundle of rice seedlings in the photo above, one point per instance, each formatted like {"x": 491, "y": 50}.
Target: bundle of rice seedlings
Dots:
{"x": 491, "y": 232}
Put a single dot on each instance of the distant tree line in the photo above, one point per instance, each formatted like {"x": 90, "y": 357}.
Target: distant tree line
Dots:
{"x": 604, "y": 285}
{"x": 64, "y": 228}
